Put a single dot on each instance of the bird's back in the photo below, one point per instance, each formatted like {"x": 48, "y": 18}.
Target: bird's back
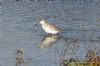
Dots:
{"x": 52, "y": 26}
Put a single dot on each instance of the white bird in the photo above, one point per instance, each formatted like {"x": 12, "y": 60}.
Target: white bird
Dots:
{"x": 49, "y": 28}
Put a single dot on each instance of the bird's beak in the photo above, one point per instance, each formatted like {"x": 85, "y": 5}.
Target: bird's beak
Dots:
{"x": 37, "y": 24}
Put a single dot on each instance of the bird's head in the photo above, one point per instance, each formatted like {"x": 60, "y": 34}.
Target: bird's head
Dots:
{"x": 42, "y": 21}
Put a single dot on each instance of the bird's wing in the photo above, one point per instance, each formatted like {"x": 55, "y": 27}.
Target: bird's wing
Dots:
{"x": 54, "y": 27}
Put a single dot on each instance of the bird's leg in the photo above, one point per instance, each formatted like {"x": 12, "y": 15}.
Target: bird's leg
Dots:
{"x": 49, "y": 34}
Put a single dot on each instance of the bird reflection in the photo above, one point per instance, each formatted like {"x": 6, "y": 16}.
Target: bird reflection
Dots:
{"x": 48, "y": 40}
{"x": 18, "y": 55}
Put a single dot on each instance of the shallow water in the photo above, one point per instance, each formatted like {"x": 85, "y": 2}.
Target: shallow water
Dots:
{"x": 80, "y": 22}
